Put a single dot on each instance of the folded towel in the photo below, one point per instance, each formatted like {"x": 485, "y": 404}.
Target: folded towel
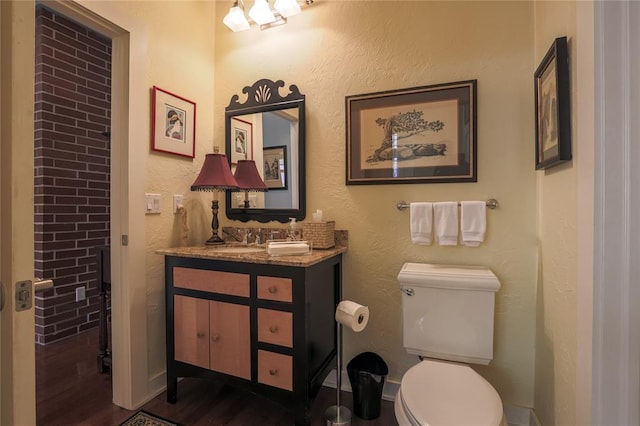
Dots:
{"x": 473, "y": 222}
{"x": 287, "y": 248}
{"x": 445, "y": 219}
{"x": 421, "y": 220}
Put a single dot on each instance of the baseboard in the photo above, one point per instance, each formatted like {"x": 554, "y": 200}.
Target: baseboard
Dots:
{"x": 516, "y": 416}
{"x": 156, "y": 386}
{"x": 533, "y": 419}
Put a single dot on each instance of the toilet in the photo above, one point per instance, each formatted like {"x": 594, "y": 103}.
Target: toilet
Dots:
{"x": 447, "y": 313}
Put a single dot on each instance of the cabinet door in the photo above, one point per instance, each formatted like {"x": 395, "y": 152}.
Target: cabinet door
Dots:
{"x": 230, "y": 351}
{"x": 191, "y": 325}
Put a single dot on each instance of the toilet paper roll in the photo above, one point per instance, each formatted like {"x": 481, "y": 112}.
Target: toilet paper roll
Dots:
{"x": 352, "y": 315}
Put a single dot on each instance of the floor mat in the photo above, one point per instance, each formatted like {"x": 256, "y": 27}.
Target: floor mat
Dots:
{"x": 142, "y": 418}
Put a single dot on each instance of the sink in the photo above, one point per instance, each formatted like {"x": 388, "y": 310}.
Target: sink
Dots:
{"x": 240, "y": 250}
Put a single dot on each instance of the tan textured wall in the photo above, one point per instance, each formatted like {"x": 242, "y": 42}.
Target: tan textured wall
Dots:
{"x": 179, "y": 48}
{"x": 340, "y": 48}
{"x": 555, "y": 381}
{"x": 182, "y": 63}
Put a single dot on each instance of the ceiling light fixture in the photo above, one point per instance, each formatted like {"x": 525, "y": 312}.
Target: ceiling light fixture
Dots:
{"x": 262, "y": 14}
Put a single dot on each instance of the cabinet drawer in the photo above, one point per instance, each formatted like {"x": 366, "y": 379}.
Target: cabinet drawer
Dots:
{"x": 212, "y": 281}
{"x": 275, "y": 288}
{"x": 275, "y": 327}
{"x": 275, "y": 370}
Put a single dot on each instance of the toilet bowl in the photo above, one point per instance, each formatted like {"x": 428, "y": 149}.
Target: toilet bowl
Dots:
{"x": 440, "y": 393}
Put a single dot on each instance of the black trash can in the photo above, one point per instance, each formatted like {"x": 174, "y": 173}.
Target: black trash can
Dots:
{"x": 367, "y": 372}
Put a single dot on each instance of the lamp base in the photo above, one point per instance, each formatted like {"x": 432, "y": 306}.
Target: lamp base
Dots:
{"x": 214, "y": 240}
{"x": 338, "y": 415}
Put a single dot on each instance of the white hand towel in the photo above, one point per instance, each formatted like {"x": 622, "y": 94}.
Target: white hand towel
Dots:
{"x": 445, "y": 218}
{"x": 421, "y": 219}
{"x": 473, "y": 222}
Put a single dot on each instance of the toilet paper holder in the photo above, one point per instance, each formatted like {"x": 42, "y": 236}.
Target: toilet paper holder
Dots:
{"x": 356, "y": 317}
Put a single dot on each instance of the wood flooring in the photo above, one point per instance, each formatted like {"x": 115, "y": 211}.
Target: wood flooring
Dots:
{"x": 70, "y": 391}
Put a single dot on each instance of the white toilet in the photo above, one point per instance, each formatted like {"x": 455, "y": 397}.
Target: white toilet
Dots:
{"x": 448, "y": 321}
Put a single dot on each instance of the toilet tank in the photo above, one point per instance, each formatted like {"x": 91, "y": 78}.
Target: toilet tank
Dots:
{"x": 448, "y": 311}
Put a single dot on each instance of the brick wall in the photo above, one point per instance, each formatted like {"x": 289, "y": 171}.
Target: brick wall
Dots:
{"x": 72, "y": 111}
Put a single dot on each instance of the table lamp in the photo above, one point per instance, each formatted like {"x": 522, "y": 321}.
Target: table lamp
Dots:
{"x": 215, "y": 176}
{"x": 248, "y": 179}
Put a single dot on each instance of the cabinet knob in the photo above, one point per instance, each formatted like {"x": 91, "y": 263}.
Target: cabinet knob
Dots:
{"x": 273, "y": 289}
{"x": 273, "y": 372}
{"x": 200, "y": 334}
{"x": 273, "y": 329}
{"x": 215, "y": 337}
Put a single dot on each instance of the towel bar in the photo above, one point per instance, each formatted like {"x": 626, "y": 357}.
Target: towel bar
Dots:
{"x": 492, "y": 203}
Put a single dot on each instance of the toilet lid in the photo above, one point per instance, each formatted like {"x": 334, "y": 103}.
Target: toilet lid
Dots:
{"x": 439, "y": 393}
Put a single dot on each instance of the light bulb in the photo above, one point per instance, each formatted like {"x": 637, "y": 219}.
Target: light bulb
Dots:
{"x": 236, "y": 20}
{"x": 287, "y": 8}
{"x": 261, "y": 13}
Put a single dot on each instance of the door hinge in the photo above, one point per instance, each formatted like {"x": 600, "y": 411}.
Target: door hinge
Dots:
{"x": 1, "y": 296}
{"x": 24, "y": 295}
{"x": 125, "y": 240}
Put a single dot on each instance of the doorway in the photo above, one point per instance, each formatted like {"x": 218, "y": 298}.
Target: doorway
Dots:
{"x": 72, "y": 171}
{"x": 129, "y": 96}
{"x": 72, "y": 124}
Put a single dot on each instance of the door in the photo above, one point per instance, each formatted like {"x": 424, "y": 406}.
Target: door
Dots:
{"x": 17, "y": 359}
{"x": 191, "y": 330}
{"x": 230, "y": 339}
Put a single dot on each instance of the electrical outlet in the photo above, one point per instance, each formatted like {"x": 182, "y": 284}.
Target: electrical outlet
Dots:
{"x": 177, "y": 202}
{"x": 80, "y": 294}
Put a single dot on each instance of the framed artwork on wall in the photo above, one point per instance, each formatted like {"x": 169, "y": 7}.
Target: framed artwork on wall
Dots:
{"x": 173, "y": 124}
{"x": 275, "y": 167}
{"x": 417, "y": 135}
{"x": 241, "y": 140}
{"x": 552, "y": 107}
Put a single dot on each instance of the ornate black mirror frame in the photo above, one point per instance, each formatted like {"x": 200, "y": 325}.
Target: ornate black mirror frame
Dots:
{"x": 264, "y": 96}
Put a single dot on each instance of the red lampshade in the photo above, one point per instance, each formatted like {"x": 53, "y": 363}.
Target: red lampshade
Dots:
{"x": 215, "y": 175}
{"x": 247, "y": 176}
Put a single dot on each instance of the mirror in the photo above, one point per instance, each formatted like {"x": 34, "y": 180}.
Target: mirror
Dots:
{"x": 269, "y": 129}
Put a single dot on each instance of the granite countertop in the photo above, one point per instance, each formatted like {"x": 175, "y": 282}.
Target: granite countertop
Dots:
{"x": 218, "y": 253}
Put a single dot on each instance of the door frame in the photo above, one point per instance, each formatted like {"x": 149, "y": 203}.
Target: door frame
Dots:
{"x": 129, "y": 95}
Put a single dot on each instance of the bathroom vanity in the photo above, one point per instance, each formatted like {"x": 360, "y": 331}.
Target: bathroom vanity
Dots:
{"x": 262, "y": 323}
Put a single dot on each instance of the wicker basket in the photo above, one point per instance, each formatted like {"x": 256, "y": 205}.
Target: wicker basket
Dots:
{"x": 320, "y": 234}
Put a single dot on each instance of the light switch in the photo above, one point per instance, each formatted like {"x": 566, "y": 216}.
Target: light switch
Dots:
{"x": 152, "y": 203}
{"x": 177, "y": 203}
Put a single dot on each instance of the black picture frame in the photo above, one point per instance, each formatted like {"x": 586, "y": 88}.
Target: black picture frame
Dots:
{"x": 275, "y": 167}
{"x": 553, "y": 107}
{"x": 422, "y": 134}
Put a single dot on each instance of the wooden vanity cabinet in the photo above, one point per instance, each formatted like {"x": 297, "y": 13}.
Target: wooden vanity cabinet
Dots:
{"x": 262, "y": 327}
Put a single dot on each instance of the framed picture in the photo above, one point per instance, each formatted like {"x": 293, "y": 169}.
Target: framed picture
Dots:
{"x": 241, "y": 140}
{"x": 553, "y": 115}
{"x": 173, "y": 124}
{"x": 275, "y": 167}
{"x": 418, "y": 135}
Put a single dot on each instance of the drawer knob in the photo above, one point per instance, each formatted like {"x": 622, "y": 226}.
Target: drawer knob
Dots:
{"x": 200, "y": 334}
{"x": 273, "y": 371}
{"x": 273, "y": 289}
{"x": 215, "y": 337}
{"x": 273, "y": 329}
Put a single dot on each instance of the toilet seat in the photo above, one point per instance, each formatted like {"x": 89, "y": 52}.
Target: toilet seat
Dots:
{"x": 436, "y": 393}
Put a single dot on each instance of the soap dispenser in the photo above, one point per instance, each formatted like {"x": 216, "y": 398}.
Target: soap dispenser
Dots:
{"x": 294, "y": 234}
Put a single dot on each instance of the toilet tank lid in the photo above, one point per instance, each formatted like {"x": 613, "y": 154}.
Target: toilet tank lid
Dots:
{"x": 459, "y": 277}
